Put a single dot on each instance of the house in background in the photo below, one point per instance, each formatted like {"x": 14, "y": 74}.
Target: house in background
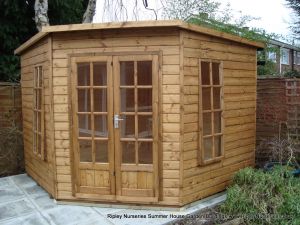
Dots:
{"x": 287, "y": 57}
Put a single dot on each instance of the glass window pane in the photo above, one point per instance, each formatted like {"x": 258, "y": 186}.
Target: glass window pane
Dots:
{"x": 127, "y": 73}
{"x": 101, "y": 151}
{"x": 40, "y": 82}
{"x": 100, "y": 74}
{"x": 127, "y": 126}
{"x": 145, "y": 100}
{"x": 100, "y": 125}
{"x": 144, "y": 72}
{"x": 83, "y": 70}
{"x": 35, "y": 119}
{"x": 85, "y": 147}
{"x": 127, "y": 100}
{"x": 205, "y": 77}
{"x": 145, "y": 153}
{"x": 217, "y": 122}
{"x": 216, "y": 74}
{"x": 145, "y": 126}
{"x": 207, "y": 145}
{"x": 218, "y": 145}
{"x": 39, "y": 121}
{"x": 128, "y": 152}
{"x": 36, "y": 77}
{"x": 84, "y": 102}
{"x": 39, "y": 100}
{"x": 207, "y": 123}
{"x": 39, "y": 150}
{"x": 217, "y": 98}
{"x": 206, "y": 100}
{"x": 84, "y": 125}
{"x": 100, "y": 100}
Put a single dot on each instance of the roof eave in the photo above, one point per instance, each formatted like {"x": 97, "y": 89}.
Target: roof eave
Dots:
{"x": 148, "y": 24}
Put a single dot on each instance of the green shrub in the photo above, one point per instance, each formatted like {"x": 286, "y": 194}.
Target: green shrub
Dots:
{"x": 264, "y": 197}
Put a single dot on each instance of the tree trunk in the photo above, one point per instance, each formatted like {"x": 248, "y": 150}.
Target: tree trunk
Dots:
{"x": 90, "y": 12}
{"x": 41, "y": 14}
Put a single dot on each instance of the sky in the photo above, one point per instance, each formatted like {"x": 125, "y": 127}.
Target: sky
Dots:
{"x": 275, "y": 16}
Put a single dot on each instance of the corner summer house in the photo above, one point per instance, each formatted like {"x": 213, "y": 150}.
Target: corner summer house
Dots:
{"x": 153, "y": 112}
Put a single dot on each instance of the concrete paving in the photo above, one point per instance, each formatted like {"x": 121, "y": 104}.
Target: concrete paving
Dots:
{"x": 23, "y": 202}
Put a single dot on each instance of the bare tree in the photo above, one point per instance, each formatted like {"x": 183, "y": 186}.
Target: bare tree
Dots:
{"x": 90, "y": 12}
{"x": 41, "y": 13}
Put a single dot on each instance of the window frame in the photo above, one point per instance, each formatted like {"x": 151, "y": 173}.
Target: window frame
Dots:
{"x": 272, "y": 56}
{"x": 282, "y": 52}
{"x": 297, "y": 58}
{"x": 214, "y": 159}
{"x": 38, "y": 89}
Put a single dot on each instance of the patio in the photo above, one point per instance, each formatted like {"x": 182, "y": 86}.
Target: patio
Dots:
{"x": 22, "y": 201}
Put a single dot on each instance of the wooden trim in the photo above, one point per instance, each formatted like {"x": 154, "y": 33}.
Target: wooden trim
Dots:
{"x": 136, "y": 24}
{"x": 137, "y": 192}
{"x": 181, "y": 144}
{"x": 51, "y": 112}
{"x": 136, "y": 199}
{"x": 95, "y": 197}
{"x": 30, "y": 42}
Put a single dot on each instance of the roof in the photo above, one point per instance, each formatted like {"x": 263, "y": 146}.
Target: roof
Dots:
{"x": 284, "y": 45}
{"x": 136, "y": 24}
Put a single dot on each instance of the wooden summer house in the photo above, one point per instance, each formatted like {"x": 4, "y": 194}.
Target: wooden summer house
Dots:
{"x": 153, "y": 112}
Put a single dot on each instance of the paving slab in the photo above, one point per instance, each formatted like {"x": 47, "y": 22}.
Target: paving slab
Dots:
{"x": 23, "y": 201}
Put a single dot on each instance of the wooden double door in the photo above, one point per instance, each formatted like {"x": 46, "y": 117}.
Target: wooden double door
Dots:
{"x": 115, "y": 127}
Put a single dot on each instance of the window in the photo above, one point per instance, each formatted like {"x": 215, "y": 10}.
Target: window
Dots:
{"x": 272, "y": 56}
{"x": 284, "y": 56}
{"x": 297, "y": 59}
{"x": 211, "y": 122}
{"x": 38, "y": 112}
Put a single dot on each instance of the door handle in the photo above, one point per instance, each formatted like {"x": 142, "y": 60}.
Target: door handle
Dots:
{"x": 116, "y": 120}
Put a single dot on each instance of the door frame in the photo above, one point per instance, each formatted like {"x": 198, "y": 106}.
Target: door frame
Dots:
{"x": 158, "y": 164}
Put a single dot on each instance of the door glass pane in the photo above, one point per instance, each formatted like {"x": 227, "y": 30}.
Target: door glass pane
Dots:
{"x": 205, "y": 77}
{"x": 144, "y": 72}
{"x": 101, "y": 151}
{"x": 100, "y": 74}
{"x": 144, "y": 100}
{"x": 100, "y": 100}
{"x": 127, "y": 99}
{"x": 218, "y": 144}
{"x": 100, "y": 125}
{"x": 207, "y": 145}
{"x": 84, "y": 102}
{"x": 145, "y": 126}
{"x": 217, "y": 122}
{"x": 84, "y": 125}
{"x": 215, "y": 74}
{"x": 217, "y": 98}
{"x": 85, "y": 147}
{"x": 128, "y": 152}
{"x": 127, "y": 126}
{"x": 83, "y": 71}
{"x": 127, "y": 73}
{"x": 207, "y": 123}
{"x": 145, "y": 153}
{"x": 206, "y": 100}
